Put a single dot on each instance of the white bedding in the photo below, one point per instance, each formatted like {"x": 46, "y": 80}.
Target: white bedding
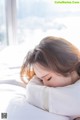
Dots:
{"x": 8, "y": 92}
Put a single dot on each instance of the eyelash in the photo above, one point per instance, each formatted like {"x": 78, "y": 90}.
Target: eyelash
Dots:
{"x": 49, "y": 79}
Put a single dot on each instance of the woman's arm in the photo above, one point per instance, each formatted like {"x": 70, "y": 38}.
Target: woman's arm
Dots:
{"x": 36, "y": 93}
{"x": 59, "y": 100}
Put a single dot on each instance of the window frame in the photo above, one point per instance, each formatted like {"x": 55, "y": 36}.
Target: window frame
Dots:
{"x": 11, "y": 20}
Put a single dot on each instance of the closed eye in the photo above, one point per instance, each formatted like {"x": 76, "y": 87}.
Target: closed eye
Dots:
{"x": 49, "y": 79}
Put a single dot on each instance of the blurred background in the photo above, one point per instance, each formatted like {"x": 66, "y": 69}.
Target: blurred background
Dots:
{"x": 28, "y": 21}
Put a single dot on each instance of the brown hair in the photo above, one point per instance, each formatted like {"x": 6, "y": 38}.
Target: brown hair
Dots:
{"x": 54, "y": 53}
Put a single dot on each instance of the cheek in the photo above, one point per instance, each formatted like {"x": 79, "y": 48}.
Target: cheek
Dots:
{"x": 55, "y": 82}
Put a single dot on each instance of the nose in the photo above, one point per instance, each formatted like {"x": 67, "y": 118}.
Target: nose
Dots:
{"x": 45, "y": 82}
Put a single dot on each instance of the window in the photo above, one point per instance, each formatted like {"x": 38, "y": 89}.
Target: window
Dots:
{"x": 39, "y": 18}
{"x": 31, "y": 20}
{"x": 3, "y": 38}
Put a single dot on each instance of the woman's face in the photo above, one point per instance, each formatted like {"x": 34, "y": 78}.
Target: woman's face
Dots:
{"x": 50, "y": 78}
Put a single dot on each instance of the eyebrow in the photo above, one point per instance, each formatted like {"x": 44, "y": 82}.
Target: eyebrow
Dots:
{"x": 45, "y": 75}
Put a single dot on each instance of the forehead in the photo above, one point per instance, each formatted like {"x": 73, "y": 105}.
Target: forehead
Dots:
{"x": 40, "y": 70}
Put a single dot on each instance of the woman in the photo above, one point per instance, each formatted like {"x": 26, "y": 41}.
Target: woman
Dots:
{"x": 55, "y": 65}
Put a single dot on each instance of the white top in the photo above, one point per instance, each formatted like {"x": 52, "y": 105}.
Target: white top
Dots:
{"x": 59, "y": 100}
